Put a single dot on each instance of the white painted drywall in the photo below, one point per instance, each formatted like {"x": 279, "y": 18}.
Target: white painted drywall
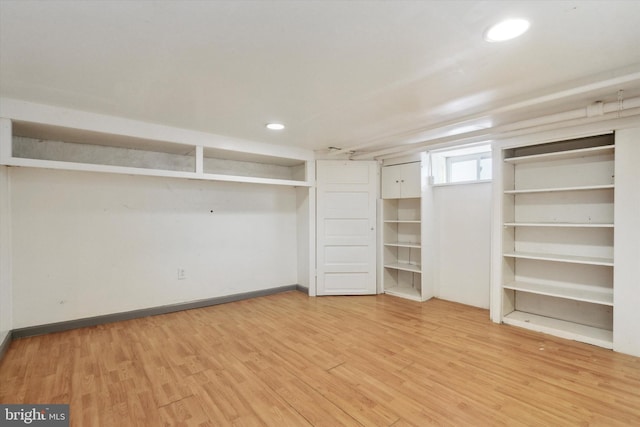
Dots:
{"x": 88, "y": 244}
{"x": 463, "y": 243}
{"x": 5, "y": 256}
{"x": 626, "y": 290}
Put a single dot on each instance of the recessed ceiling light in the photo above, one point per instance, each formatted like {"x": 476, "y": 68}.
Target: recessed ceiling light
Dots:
{"x": 506, "y": 30}
{"x": 275, "y": 126}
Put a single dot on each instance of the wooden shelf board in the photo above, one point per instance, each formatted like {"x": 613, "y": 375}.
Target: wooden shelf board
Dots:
{"x": 558, "y": 224}
{"x": 404, "y": 292}
{"x": 568, "y": 154}
{"x": 404, "y": 244}
{"x": 592, "y": 294}
{"x": 414, "y": 268}
{"x": 405, "y": 221}
{"x": 560, "y": 189}
{"x": 560, "y": 328}
{"x": 561, "y": 258}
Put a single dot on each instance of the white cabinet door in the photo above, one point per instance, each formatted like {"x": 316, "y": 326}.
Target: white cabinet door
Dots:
{"x": 410, "y": 180}
{"x": 346, "y": 223}
{"x": 391, "y": 182}
{"x": 401, "y": 181}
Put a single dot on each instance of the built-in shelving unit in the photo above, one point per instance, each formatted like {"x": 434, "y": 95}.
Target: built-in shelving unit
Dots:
{"x": 55, "y": 147}
{"x": 557, "y": 238}
{"x": 402, "y": 219}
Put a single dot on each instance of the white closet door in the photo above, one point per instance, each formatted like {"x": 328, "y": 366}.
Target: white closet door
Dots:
{"x": 346, "y": 222}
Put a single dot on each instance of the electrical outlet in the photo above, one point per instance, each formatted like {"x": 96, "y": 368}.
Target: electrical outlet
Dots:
{"x": 182, "y": 274}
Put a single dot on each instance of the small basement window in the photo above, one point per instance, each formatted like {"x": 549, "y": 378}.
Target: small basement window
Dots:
{"x": 462, "y": 165}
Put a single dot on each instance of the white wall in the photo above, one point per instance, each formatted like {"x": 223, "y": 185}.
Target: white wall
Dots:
{"x": 87, "y": 244}
{"x": 5, "y": 256}
{"x": 626, "y": 293}
{"x": 463, "y": 243}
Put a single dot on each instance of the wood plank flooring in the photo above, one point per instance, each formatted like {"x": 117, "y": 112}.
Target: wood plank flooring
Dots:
{"x": 291, "y": 360}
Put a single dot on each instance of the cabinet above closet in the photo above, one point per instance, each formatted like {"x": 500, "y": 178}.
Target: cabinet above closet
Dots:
{"x": 401, "y": 181}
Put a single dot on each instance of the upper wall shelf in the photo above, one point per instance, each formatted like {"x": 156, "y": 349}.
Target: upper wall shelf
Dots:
{"x": 31, "y": 147}
{"x": 34, "y": 135}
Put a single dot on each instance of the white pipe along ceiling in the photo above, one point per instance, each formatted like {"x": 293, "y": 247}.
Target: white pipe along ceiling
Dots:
{"x": 595, "y": 111}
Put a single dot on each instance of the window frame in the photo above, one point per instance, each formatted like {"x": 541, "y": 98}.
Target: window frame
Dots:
{"x": 478, "y": 157}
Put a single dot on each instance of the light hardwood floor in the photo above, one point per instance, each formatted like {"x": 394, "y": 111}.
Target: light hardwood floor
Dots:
{"x": 288, "y": 359}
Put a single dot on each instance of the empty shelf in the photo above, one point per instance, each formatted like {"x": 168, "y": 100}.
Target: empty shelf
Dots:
{"x": 404, "y": 244}
{"x": 562, "y": 258}
{"x": 559, "y": 155}
{"x": 414, "y": 268}
{"x": 405, "y": 292}
{"x": 558, "y": 189}
{"x": 560, "y": 328}
{"x": 590, "y": 294}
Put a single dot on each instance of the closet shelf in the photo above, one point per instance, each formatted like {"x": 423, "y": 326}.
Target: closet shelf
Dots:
{"x": 404, "y": 266}
{"x": 560, "y": 155}
{"x": 561, "y": 258}
{"x": 592, "y": 294}
{"x": 404, "y": 244}
{"x": 561, "y": 328}
{"x": 552, "y": 190}
{"x": 402, "y": 221}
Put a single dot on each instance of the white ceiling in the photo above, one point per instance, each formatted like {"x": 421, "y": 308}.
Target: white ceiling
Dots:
{"x": 350, "y": 74}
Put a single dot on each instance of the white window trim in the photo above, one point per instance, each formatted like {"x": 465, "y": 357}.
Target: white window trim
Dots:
{"x": 478, "y": 157}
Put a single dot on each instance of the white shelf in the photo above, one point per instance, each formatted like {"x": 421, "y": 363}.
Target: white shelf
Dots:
{"x": 561, "y": 258}
{"x": 592, "y": 294}
{"x": 402, "y": 221}
{"x": 404, "y": 292}
{"x": 551, "y": 190}
{"x": 569, "y": 154}
{"x": 560, "y": 328}
{"x": 405, "y": 266}
{"x": 404, "y": 244}
{"x": 558, "y": 224}
{"x": 90, "y": 167}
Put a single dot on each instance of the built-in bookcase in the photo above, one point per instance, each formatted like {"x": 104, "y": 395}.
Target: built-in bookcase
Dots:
{"x": 557, "y": 238}
{"x": 402, "y": 247}
{"x": 402, "y": 231}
